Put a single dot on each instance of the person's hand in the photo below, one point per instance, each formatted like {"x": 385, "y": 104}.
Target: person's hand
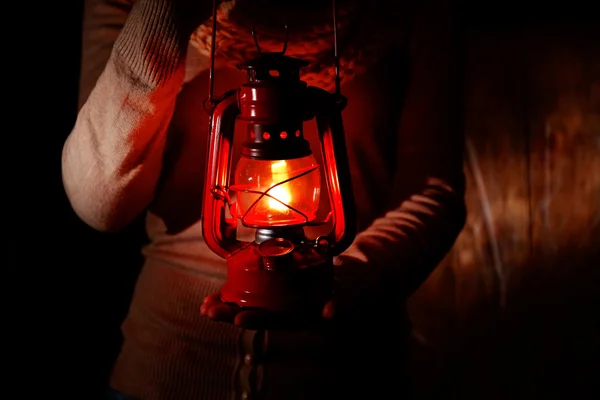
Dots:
{"x": 352, "y": 298}
{"x": 254, "y": 318}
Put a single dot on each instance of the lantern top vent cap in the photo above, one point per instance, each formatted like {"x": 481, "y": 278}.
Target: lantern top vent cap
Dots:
{"x": 274, "y": 61}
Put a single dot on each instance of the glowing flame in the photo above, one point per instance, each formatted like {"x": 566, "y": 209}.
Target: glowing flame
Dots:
{"x": 280, "y": 192}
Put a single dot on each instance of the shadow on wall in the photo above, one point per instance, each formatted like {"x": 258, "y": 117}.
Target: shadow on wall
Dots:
{"x": 513, "y": 311}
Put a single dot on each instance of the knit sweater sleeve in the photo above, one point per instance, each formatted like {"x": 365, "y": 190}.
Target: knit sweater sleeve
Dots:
{"x": 112, "y": 159}
{"x": 400, "y": 249}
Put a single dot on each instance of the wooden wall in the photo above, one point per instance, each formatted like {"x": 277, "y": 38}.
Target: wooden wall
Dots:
{"x": 513, "y": 311}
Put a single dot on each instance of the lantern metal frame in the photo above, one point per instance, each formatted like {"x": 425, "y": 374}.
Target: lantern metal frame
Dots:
{"x": 219, "y": 220}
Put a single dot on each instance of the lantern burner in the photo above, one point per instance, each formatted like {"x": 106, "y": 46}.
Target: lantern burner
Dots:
{"x": 277, "y": 254}
{"x": 295, "y": 234}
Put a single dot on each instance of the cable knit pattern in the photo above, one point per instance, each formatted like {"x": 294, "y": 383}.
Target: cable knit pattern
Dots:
{"x": 365, "y": 32}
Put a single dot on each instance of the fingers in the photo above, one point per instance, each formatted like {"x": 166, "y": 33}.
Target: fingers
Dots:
{"x": 328, "y": 310}
{"x": 222, "y": 312}
{"x": 214, "y": 308}
{"x": 259, "y": 319}
{"x": 212, "y": 297}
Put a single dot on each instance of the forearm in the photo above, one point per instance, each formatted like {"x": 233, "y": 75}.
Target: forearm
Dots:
{"x": 399, "y": 250}
{"x": 112, "y": 159}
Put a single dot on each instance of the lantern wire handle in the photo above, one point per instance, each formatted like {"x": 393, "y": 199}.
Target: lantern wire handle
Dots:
{"x": 338, "y": 90}
{"x": 211, "y": 73}
{"x": 213, "y": 46}
{"x": 285, "y": 43}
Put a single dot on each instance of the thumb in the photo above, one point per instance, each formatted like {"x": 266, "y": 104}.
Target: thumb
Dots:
{"x": 329, "y": 310}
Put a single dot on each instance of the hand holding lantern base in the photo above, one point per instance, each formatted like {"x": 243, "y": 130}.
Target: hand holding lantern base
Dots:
{"x": 260, "y": 319}
{"x": 282, "y": 279}
{"x": 355, "y": 296}
{"x": 275, "y": 282}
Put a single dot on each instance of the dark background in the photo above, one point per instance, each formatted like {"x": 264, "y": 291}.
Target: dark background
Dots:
{"x": 511, "y": 313}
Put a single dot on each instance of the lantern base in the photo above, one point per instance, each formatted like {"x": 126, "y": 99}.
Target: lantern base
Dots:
{"x": 302, "y": 285}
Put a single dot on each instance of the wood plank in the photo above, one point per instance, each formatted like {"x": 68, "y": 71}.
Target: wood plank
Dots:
{"x": 461, "y": 301}
{"x": 553, "y": 318}
{"x": 513, "y": 310}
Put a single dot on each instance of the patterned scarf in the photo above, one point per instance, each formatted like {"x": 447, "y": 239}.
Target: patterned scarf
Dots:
{"x": 366, "y": 30}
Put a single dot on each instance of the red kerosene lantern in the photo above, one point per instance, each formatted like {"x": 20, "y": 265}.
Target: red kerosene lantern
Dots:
{"x": 277, "y": 186}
